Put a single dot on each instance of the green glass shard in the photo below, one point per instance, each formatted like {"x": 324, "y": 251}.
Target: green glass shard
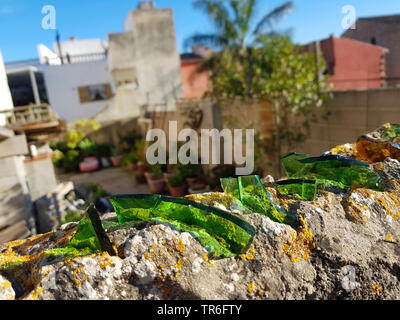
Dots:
{"x": 220, "y": 231}
{"x": 299, "y": 188}
{"x": 85, "y": 237}
{"x": 332, "y": 171}
{"x": 391, "y": 133}
{"x": 254, "y": 196}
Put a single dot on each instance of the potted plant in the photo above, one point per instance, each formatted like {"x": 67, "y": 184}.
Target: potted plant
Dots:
{"x": 190, "y": 172}
{"x": 129, "y": 161}
{"x": 104, "y": 154}
{"x": 176, "y": 186}
{"x": 116, "y": 157}
{"x": 155, "y": 179}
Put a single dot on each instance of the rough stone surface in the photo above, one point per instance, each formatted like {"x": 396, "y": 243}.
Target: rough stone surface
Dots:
{"x": 347, "y": 248}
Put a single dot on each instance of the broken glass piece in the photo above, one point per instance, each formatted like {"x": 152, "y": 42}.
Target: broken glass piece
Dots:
{"x": 331, "y": 171}
{"x": 254, "y": 196}
{"x": 374, "y": 150}
{"x": 299, "y": 188}
{"x": 221, "y": 232}
{"x": 391, "y": 133}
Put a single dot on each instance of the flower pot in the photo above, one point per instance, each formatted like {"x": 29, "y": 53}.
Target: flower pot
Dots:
{"x": 142, "y": 167}
{"x": 105, "y": 162}
{"x": 150, "y": 176}
{"x": 156, "y": 186}
{"x": 191, "y": 181}
{"x": 116, "y": 161}
{"x": 89, "y": 164}
{"x": 167, "y": 175}
{"x": 198, "y": 189}
{"x": 177, "y": 191}
{"x": 140, "y": 177}
{"x": 130, "y": 166}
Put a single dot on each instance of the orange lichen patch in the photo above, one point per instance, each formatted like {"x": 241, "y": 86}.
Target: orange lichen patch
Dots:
{"x": 390, "y": 238}
{"x": 344, "y": 150}
{"x": 5, "y": 286}
{"x": 250, "y": 287}
{"x": 36, "y": 292}
{"x": 377, "y": 289}
{"x": 249, "y": 255}
{"x": 285, "y": 203}
{"x": 211, "y": 199}
{"x": 105, "y": 260}
{"x": 357, "y": 212}
{"x": 84, "y": 276}
{"x": 389, "y": 200}
{"x": 302, "y": 243}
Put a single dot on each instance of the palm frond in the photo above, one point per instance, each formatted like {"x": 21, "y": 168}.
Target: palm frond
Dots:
{"x": 268, "y": 21}
{"x": 218, "y": 14}
{"x": 211, "y": 40}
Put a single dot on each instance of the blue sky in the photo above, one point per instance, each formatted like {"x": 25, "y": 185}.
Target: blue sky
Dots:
{"x": 21, "y": 31}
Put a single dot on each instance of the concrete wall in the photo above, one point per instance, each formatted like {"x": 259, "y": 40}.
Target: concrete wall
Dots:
{"x": 40, "y": 176}
{"x": 351, "y": 114}
{"x": 144, "y": 63}
{"x": 5, "y": 95}
{"x": 62, "y": 84}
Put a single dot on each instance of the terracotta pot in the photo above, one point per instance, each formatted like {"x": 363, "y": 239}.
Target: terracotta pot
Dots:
{"x": 140, "y": 177}
{"x": 191, "y": 181}
{"x": 142, "y": 167}
{"x": 116, "y": 161}
{"x": 167, "y": 176}
{"x": 199, "y": 189}
{"x": 177, "y": 191}
{"x": 156, "y": 186}
{"x": 150, "y": 176}
{"x": 130, "y": 166}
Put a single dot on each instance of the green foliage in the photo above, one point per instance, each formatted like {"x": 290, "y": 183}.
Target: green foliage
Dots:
{"x": 129, "y": 158}
{"x": 70, "y": 162}
{"x": 157, "y": 170}
{"x": 88, "y": 148}
{"x": 73, "y": 216}
{"x": 176, "y": 181}
{"x": 98, "y": 191}
{"x": 190, "y": 170}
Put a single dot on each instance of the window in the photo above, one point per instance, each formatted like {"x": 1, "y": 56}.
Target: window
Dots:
{"x": 373, "y": 40}
{"x": 93, "y": 93}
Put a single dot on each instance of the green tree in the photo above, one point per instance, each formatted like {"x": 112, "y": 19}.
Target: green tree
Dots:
{"x": 259, "y": 63}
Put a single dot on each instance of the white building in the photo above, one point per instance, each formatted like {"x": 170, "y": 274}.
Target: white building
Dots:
{"x": 6, "y": 102}
{"x": 78, "y": 81}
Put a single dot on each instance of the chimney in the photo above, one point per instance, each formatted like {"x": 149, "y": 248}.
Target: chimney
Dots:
{"x": 202, "y": 51}
{"x": 146, "y": 5}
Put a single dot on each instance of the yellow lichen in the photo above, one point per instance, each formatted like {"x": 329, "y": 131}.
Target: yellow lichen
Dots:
{"x": 105, "y": 260}
{"x": 390, "y": 238}
{"x": 84, "y": 276}
{"x": 250, "y": 287}
{"x": 376, "y": 289}
{"x": 301, "y": 243}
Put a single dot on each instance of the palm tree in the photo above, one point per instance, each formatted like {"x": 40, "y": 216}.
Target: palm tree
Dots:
{"x": 234, "y": 23}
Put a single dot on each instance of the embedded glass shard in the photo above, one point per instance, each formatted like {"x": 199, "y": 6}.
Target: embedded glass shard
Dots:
{"x": 374, "y": 150}
{"x": 299, "y": 188}
{"x": 223, "y": 233}
{"x": 331, "y": 171}
{"x": 391, "y": 133}
{"x": 255, "y": 197}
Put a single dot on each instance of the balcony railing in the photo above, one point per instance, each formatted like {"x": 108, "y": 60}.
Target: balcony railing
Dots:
{"x": 67, "y": 59}
{"x": 21, "y": 116}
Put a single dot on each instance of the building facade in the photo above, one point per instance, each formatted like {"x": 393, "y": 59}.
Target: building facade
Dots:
{"x": 385, "y": 32}
{"x": 352, "y": 64}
